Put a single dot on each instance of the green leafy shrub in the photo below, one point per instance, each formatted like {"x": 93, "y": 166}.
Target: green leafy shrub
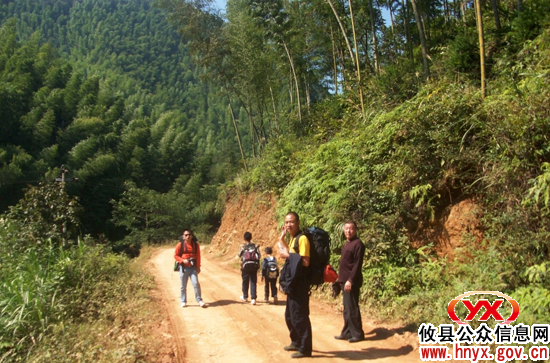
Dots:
{"x": 275, "y": 168}
{"x": 399, "y": 172}
{"x": 462, "y": 54}
{"x": 50, "y": 277}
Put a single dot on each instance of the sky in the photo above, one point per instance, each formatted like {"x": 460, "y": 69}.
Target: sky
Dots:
{"x": 220, "y": 4}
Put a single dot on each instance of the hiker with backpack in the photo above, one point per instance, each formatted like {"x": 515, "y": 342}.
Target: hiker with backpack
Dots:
{"x": 188, "y": 257}
{"x": 250, "y": 263}
{"x": 298, "y": 279}
{"x": 270, "y": 272}
{"x": 350, "y": 277}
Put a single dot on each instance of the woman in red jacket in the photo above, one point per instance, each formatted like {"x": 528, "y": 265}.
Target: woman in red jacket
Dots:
{"x": 188, "y": 255}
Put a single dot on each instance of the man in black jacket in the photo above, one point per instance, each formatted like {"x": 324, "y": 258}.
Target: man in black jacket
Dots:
{"x": 351, "y": 277}
{"x": 297, "y": 301}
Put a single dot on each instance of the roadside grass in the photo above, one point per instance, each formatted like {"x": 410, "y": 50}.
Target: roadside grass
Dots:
{"x": 128, "y": 327}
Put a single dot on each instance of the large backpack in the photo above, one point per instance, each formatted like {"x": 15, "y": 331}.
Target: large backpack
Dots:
{"x": 250, "y": 258}
{"x": 271, "y": 269}
{"x": 319, "y": 252}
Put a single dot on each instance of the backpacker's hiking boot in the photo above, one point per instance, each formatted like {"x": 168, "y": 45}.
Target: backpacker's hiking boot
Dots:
{"x": 299, "y": 355}
{"x": 291, "y": 347}
{"x": 341, "y": 337}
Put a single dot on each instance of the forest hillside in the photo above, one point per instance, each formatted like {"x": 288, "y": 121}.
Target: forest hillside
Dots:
{"x": 445, "y": 168}
{"x": 429, "y": 127}
{"x": 108, "y": 91}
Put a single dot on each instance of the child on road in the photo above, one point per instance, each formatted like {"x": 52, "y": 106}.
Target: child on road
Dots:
{"x": 270, "y": 272}
{"x": 250, "y": 263}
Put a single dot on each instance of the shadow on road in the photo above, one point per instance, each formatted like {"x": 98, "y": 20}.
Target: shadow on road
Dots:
{"x": 222, "y": 303}
{"x": 364, "y": 354}
{"x": 383, "y": 334}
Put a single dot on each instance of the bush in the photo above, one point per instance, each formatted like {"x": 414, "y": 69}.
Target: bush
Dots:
{"x": 400, "y": 171}
{"x": 49, "y": 277}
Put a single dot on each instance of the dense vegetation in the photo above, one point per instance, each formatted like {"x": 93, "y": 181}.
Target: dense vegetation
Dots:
{"x": 423, "y": 116}
{"x": 339, "y": 113}
{"x": 63, "y": 298}
{"x": 108, "y": 90}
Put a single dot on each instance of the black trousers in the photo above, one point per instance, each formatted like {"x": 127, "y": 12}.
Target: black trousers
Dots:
{"x": 353, "y": 326}
{"x": 249, "y": 278}
{"x": 297, "y": 318}
{"x": 273, "y": 284}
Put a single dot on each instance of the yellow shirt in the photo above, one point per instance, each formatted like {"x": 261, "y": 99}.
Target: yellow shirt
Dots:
{"x": 303, "y": 246}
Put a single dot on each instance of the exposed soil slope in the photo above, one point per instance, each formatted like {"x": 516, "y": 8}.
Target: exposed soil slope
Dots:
{"x": 251, "y": 212}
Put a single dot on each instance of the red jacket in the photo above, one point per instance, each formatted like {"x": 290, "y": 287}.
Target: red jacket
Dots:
{"x": 188, "y": 252}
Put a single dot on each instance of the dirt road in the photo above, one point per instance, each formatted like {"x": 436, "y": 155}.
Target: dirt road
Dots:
{"x": 228, "y": 330}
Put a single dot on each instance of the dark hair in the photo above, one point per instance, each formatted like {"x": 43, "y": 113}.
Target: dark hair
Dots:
{"x": 247, "y": 236}
{"x": 188, "y": 230}
{"x": 268, "y": 250}
{"x": 295, "y": 216}
{"x": 349, "y": 221}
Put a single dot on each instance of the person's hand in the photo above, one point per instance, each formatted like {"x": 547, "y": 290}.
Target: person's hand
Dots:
{"x": 283, "y": 253}
{"x": 336, "y": 289}
{"x": 198, "y": 270}
{"x": 283, "y": 233}
{"x": 347, "y": 286}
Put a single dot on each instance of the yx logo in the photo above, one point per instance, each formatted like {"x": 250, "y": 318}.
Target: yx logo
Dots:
{"x": 490, "y": 309}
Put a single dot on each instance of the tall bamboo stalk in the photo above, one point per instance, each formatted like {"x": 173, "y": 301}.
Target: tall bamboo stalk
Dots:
{"x": 357, "y": 61}
{"x": 342, "y": 29}
{"x": 334, "y": 62}
{"x": 374, "y": 40}
{"x": 238, "y": 137}
{"x": 295, "y": 81}
{"x": 481, "y": 47}
{"x": 274, "y": 109}
{"x": 422, "y": 39}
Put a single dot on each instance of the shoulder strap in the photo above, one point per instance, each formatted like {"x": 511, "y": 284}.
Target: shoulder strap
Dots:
{"x": 181, "y": 248}
{"x": 297, "y": 242}
{"x": 193, "y": 248}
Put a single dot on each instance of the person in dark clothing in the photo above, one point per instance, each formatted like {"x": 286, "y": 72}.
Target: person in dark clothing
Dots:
{"x": 250, "y": 263}
{"x": 270, "y": 272}
{"x": 351, "y": 278}
{"x": 297, "y": 302}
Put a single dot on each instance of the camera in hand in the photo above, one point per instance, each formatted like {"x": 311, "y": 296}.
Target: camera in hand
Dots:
{"x": 192, "y": 261}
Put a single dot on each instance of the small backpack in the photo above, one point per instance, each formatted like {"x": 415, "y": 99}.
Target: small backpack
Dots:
{"x": 272, "y": 270}
{"x": 250, "y": 258}
{"x": 319, "y": 252}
